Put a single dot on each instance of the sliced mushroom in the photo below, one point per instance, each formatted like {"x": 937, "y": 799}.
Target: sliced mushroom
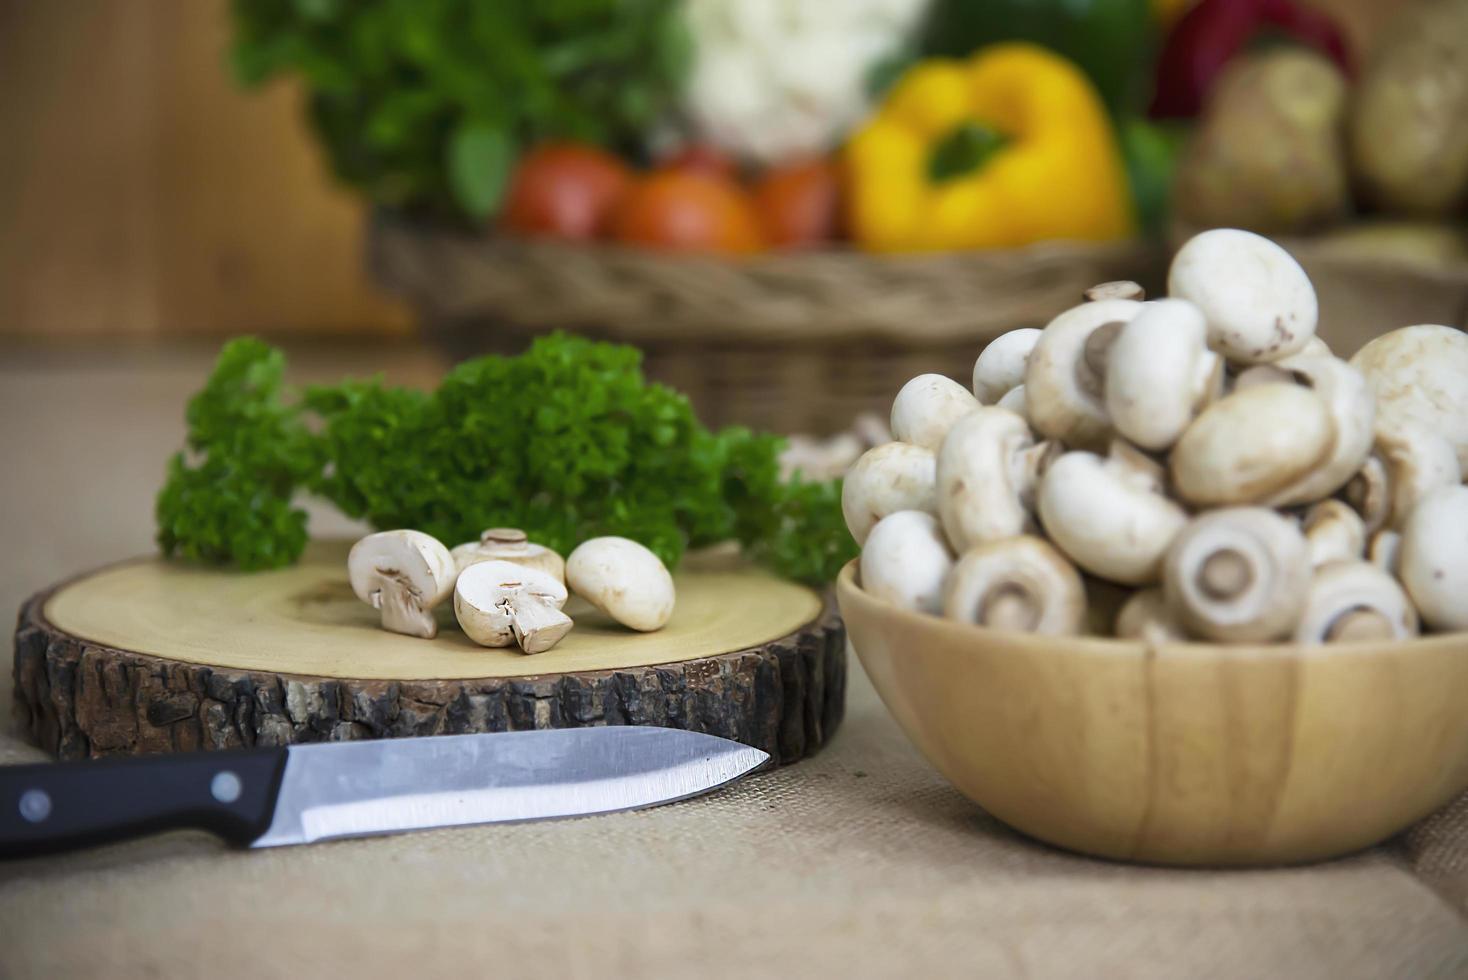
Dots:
{"x": 404, "y": 574}
{"x": 1160, "y": 373}
{"x": 1238, "y": 575}
{"x": 1020, "y": 584}
{"x": 1355, "y": 601}
{"x": 510, "y": 544}
{"x": 499, "y": 602}
{"x": 1434, "y": 558}
{"x": 906, "y": 561}
{"x": 1352, "y": 408}
{"x": 1001, "y": 366}
{"x": 1334, "y": 532}
{"x": 926, "y": 408}
{"x": 625, "y": 580}
{"x": 1066, "y": 374}
{"x": 1420, "y": 376}
{"x": 1146, "y": 616}
{"x": 987, "y": 471}
{"x": 897, "y": 476}
{"x": 1110, "y": 514}
{"x": 1252, "y": 445}
{"x": 1258, "y": 302}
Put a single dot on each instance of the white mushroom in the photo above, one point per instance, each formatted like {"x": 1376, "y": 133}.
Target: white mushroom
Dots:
{"x": 1385, "y": 551}
{"x": 1001, "y": 366}
{"x": 624, "y": 580}
{"x": 404, "y": 574}
{"x": 1258, "y": 302}
{"x": 906, "y": 561}
{"x": 1434, "y": 558}
{"x": 1109, "y": 514}
{"x": 1420, "y": 375}
{"x": 1146, "y": 616}
{"x": 1160, "y": 373}
{"x": 499, "y": 602}
{"x": 1252, "y": 445}
{"x": 510, "y": 544}
{"x": 1020, "y": 584}
{"x": 1355, "y": 601}
{"x": 1352, "y": 407}
{"x": 926, "y": 408}
{"x": 1014, "y": 399}
{"x": 987, "y": 470}
{"x": 1334, "y": 532}
{"x": 1369, "y": 493}
{"x": 1238, "y": 575}
{"x": 1066, "y": 375}
{"x": 1116, "y": 289}
{"x": 1417, "y": 462}
{"x": 897, "y": 476}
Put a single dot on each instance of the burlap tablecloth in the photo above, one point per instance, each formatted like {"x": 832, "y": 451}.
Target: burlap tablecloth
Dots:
{"x": 859, "y": 862}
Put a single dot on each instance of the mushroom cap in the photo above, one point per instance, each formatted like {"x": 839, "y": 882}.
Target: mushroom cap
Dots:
{"x": 1420, "y": 376}
{"x": 926, "y": 408}
{"x": 1433, "y": 562}
{"x": 1355, "y": 600}
{"x": 420, "y": 559}
{"x": 509, "y": 544}
{"x": 1385, "y": 551}
{"x": 1066, "y": 373}
{"x": 984, "y": 488}
{"x": 1240, "y": 574}
{"x": 1258, "y": 302}
{"x": 1109, "y": 516}
{"x": 1020, "y": 584}
{"x": 1334, "y": 532}
{"x": 1001, "y": 365}
{"x": 1352, "y": 407}
{"x": 624, "y": 580}
{"x": 1249, "y": 446}
{"x": 1146, "y": 616}
{"x": 482, "y": 590}
{"x": 886, "y": 479}
{"x": 1016, "y": 401}
{"x": 1116, "y": 289}
{"x": 906, "y": 561}
{"x": 1417, "y": 462}
{"x": 1160, "y": 373}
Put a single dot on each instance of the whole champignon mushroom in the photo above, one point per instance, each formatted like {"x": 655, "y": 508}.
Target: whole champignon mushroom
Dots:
{"x": 926, "y": 408}
{"x": 1240, "y": 574}
{"x": 1001, "y": 365}
{"x": 1369, "y": 494}
{"x": 906, "y": 561}
{"x": 1433, "y": 562}
{"x": 987, "y": 470}
{"x": 1258, "y": 302}
{"x": 1334, "y": 532}
{"x": 1355, "y": 601}
{"x": 404, "y": 574}
{"x": 623, "y": 579}
{"x": 1014, "y": 400}
{"x": 1352, "y": 408}
{"x": 1420, "y": 376}
{"x": 1116, "y": 289}
{"x": 1066, "y": 374}
{"x": 1417, "y": 462}
{"x": 500, "y": 602}
{"x": 1252, "y": 445}
{"x": 510, "y": 544}
{"x": 1146, "y": 616}
{"x": 897, "y": 476}
{"x": 1020, "y": 584}
{"x": 1109, "y": 514}
{"x": 1385, "y": 551}
{"x": 1160, "y": 373}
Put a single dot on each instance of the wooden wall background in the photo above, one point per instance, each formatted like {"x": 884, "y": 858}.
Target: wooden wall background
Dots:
{"x": 143, "y": 194}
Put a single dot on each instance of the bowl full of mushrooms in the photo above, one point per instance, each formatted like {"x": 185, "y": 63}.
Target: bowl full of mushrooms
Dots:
{"x": 1172, "y": 582}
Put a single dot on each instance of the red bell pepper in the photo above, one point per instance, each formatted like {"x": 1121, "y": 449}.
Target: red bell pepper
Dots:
{"x": 1213, "y": 31}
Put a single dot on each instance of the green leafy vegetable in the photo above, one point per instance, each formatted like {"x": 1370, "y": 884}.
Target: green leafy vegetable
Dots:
{"x": 425, "y": 103}
{"x": 567, "y": 441}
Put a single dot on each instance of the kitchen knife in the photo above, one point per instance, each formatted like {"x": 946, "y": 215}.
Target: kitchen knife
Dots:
{"x": 305, "y": 793}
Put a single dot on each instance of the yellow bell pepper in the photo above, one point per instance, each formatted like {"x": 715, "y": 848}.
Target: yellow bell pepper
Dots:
{"x": 1010, "y": 147}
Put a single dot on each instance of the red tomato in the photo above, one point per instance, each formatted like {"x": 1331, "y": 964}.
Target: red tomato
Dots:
{"x": 678, "y": 210}
{"x": 701, "y": 158}
{"x": 799, "y": 204}
{"x": 565, "y": 190}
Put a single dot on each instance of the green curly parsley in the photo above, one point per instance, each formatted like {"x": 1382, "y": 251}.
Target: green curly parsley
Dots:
{"x": 567, "y": 441}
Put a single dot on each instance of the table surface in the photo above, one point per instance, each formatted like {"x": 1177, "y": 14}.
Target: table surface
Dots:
{"x": 859, "y": 862}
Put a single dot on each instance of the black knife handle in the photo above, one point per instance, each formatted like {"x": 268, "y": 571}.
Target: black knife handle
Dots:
{"x": 59, "y": 807}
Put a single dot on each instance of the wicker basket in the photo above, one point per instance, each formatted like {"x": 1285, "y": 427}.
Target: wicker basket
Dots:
{"x": 795, "y": 342}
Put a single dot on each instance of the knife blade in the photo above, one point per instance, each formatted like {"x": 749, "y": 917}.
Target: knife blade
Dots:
{"x": 305, "y": 793}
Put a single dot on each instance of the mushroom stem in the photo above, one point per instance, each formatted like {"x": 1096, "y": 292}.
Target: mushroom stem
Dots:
{"x": 401, "y": 606}
{"x": 1225, "y": 574}
{"x": 1010, "y": 607}
{"x": 537, "y": 624}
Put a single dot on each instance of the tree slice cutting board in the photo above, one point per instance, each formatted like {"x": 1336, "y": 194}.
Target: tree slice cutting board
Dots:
{"x": 153, "y": 655}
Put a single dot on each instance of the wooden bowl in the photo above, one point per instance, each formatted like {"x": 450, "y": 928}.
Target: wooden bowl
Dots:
{"x": 1189, "y": 753}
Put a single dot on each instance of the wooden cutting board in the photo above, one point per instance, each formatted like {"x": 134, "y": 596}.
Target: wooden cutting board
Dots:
{"x": 153, "y": 655}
